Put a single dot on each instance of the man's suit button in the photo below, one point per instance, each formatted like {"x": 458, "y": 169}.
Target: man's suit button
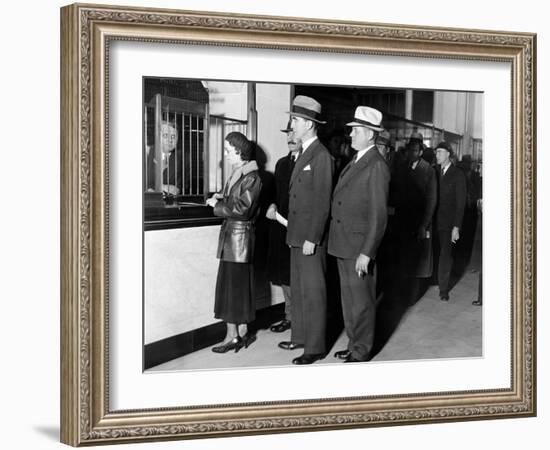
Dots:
{"x": 339, "y": 203}
{"x": 294, "y": 196}
{"x": 337, "y": 220}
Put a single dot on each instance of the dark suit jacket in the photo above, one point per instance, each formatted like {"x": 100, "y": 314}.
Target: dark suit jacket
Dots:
{"x": 359, "y": 207}
{"x": 278, "y": 260}
{"x": 415, "y": 202}
{"x": 416, "y": 197}
{"x": 309, "y": 196}
{"x": 452, "y": 198}
{"x": 283, "y": 171}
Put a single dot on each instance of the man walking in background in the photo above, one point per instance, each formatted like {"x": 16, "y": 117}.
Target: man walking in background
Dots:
{"x": 450, "y": 212}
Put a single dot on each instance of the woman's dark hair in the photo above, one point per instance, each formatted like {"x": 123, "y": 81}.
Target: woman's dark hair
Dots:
{"x": 243, "y": 146}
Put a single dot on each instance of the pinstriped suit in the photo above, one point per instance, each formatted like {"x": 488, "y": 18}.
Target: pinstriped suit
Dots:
{"x": 309, "y": 206}
{"x": 359, "y": 217}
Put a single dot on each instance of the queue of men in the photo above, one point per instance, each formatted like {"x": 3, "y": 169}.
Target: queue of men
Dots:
{"x": 315, "y": 215}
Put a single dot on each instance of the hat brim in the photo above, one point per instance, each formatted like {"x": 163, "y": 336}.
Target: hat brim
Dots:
{"x": 450, "y": 152}
{"x": 288, "y": 130}
{"x": 357, "y": 124}
{"x": 305, "y": 116}
{"x": 414, "y": 140}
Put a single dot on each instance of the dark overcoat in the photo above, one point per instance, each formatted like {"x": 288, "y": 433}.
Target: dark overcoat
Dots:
{"x": 452, "y": 198}
{"x": 416, "y": 199}
{"x": 239, "y": 208}
{"x": 278, "y": 262}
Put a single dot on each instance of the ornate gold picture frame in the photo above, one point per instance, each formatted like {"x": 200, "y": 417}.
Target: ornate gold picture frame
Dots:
{"x": 87, "y": 32}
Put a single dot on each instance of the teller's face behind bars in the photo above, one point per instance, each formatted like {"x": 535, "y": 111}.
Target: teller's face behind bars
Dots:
{"x": 168, "y": 137}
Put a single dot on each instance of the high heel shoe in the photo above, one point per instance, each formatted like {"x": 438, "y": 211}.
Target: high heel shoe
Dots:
{"x": 234, "y": 344}
{"x": 248, "y": 339}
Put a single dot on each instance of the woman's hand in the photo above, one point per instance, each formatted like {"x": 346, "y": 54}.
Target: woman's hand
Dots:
{"x": 212, "y": 201}
{"x": 170, "y": 189}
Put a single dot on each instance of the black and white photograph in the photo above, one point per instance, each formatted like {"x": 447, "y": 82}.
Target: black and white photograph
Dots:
{"x": 298, "y": 224}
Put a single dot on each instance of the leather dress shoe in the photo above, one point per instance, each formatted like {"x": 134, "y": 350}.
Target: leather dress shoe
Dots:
{"x": 444, "y": 297}
{"x": 351, "y": 359}
{"x": 342, "y": 354}
{"x": 477, "y": 303}
{"x": 289, "y": 345}
{"x": 308, "y": 358}
{"x": 283, "y": 325}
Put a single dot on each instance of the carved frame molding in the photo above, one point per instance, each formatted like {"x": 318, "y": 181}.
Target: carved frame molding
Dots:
{"x": 86, "y": 32}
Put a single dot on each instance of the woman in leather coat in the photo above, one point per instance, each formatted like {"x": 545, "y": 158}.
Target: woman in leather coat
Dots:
{"x": 238, "y": 205}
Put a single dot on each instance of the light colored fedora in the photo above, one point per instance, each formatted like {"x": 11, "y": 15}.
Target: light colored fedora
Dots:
{"x": 367, "y": 117}
{"x": 307, "y": 108}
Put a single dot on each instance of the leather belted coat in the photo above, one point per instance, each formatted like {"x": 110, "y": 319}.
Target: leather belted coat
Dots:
{"x": 239, "y": 207}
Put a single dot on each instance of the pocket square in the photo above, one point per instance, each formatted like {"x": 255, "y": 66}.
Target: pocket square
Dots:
{"x": 308, "y": 167}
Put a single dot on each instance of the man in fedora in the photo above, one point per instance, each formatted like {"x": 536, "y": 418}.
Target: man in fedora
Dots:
{"x": 415, "y": 198}
{"x": 450, "y": 211}
{"x": 359, "y": 217}
{"x": 383, "y": 142}
{"x": 310, "y": 189}
{"x": 278, "y": 261}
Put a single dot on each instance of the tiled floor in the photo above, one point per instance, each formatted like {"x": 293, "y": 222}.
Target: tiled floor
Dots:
{"x": 429, "y": 329}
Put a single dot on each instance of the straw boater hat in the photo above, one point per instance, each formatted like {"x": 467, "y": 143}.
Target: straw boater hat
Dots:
{"x": 368, "y": 118}
{"x": 307, "y": 108}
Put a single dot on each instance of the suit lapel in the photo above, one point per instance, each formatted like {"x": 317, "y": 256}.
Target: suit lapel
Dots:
{"x": 304, "y": 160}
{"x": 449, "y": 169}
{"x": 354, "y": 168}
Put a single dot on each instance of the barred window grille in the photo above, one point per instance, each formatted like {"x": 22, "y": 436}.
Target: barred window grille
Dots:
{"x": 189, "y": 170}
{"x": 181, "y": 172}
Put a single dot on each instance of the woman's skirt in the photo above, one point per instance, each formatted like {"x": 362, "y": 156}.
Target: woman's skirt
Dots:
{"x": 234, "y": 302}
